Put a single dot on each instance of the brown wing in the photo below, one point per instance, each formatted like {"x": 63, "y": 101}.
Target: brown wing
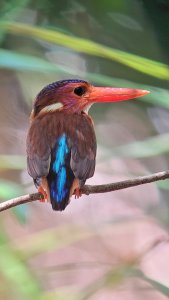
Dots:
{"x": 83, "y": 150}
{"x": 38, "y": 151}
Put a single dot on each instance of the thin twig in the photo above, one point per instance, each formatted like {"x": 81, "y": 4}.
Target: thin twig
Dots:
{"x": 92, "y": 189}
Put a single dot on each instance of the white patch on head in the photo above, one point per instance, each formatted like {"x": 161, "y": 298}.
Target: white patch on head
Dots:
{"x": 52, "y": 107}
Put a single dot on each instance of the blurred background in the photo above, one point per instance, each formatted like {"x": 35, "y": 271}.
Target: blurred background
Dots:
{"x": 108, "y": 246}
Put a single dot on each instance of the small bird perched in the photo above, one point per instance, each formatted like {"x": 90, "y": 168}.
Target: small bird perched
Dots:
{"x": 61, "y": 142}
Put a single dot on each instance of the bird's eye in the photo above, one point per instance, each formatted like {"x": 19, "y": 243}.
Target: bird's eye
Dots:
{"x": 80, "y": 90}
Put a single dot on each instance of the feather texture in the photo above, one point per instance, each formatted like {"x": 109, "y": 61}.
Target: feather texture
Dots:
{"x": 61, "y": 147}
{"x": 60, "y": 177}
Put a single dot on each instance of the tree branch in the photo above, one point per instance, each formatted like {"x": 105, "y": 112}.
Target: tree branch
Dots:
{"x": 92, "y": 189}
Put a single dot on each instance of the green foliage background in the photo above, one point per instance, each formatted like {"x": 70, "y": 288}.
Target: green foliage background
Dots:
{"x": 111, "y": 43}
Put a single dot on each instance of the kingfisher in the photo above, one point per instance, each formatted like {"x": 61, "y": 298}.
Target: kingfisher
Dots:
{"x": 61, "y": 142}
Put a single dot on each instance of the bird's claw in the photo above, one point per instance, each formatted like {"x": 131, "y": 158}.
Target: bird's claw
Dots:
{"x": 77, "y": 193}
{"x": 44, "y": 194}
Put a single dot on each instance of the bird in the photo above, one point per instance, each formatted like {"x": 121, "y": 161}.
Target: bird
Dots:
{"x": 61, "y": 143}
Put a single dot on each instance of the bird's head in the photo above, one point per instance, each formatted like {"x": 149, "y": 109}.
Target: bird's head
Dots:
{"x": 76, "y": 96}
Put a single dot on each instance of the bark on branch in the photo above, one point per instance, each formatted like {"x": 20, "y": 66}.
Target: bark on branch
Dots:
{"x": 92, "y": 189}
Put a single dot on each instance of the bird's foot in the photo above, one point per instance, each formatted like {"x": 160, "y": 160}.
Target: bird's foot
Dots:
{"x": 43, "y": 192}
{"x": 77, "y": 193}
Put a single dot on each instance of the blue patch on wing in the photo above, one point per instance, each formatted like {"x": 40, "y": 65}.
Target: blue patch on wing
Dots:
{"x": 60, "y": 176}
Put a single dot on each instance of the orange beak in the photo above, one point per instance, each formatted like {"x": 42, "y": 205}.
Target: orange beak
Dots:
{"x": 107, "y": 94}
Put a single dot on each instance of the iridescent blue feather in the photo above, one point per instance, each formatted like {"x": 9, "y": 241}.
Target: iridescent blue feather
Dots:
{"x": 60, "y": 177}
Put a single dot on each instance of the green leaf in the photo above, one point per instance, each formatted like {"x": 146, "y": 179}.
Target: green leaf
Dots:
{"x": 141, "y": 64}
{"x": 155, "y": 284}
{"x": 163, "y": 185}
{"x": 11, "y": 9}
{"x": 16, "y": 272}
{"x": 158, "y": 286}
{"x": 21, "y": 213}
{"x": 111, "y": 279}
{"x": 22, "y": 62}
{"x": 150, "y": 147}
{"x": 9, "y": 189}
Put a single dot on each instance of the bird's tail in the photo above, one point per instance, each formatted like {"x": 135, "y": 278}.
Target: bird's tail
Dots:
{"x": 60, "y": 178}
{"x": 60, "y": 188}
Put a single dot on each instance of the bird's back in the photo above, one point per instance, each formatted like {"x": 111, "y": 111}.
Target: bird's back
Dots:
{"x": 72, "y": 143}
